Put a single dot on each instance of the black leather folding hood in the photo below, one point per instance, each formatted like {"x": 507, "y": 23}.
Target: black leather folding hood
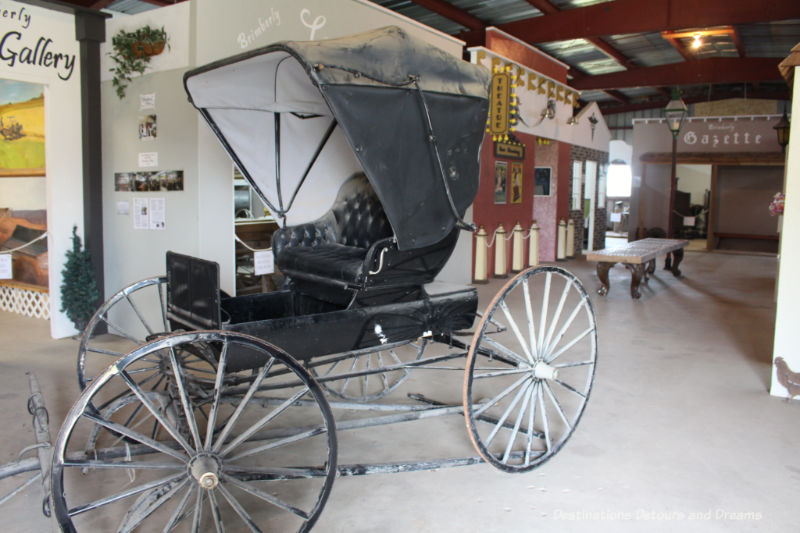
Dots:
{"x": 398, "y": 101}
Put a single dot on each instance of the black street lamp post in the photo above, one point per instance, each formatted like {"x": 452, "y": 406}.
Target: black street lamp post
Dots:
{"x": 675, "y": 112}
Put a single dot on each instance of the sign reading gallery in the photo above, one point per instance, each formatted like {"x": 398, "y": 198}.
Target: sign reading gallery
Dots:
{"x": 39, "y": 51}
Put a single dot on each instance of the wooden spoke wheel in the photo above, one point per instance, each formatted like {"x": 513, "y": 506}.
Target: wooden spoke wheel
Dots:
{"x": 530, "y": 369}
{"x": 358, "y": 376}
{"x": 229, "y": 446}
{"x": 127, "y": 320}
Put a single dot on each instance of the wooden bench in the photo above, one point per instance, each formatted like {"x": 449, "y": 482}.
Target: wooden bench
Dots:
{"x": 640, "y": 258}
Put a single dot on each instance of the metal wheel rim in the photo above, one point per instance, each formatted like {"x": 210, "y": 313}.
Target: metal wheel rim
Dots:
{"x": 524, "y": 390}
{"x": 227, "y": 438}
{"x": 123, "y": 298}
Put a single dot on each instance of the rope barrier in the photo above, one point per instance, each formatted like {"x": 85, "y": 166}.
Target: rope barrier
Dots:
{"x": 490, "y": 243}
{"x": 240, "y": 241}
{"x": 37, "y": 239}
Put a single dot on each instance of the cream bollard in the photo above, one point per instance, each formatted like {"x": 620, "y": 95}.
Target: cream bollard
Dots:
{"x": 561, "y": 251}
{"x": 571, "y": 238}
{"x": 500, "y": 260}
{"x": 533, "y": 251}
{"x": 517, "y": 249}
{"x": 481, "y": 256}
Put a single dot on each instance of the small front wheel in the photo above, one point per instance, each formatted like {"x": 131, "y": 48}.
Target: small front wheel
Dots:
{"x": 530, "y": 369}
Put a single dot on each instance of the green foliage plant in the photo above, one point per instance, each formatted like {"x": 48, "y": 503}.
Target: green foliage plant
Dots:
{"x": 131, "y": 52}
{"x": 79, "y": 294}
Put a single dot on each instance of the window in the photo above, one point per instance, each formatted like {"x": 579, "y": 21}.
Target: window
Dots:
{"x": 619, "y": 181}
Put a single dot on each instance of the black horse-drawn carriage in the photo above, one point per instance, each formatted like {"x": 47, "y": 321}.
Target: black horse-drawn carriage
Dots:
{"x": 219, "y": 410}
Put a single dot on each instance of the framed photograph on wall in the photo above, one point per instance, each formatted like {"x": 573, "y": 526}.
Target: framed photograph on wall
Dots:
{"x": 541, "y": 181}
{"x": 500, "y": 182}
{"x": 21, "y": 129}
{"x": 516, "y": 183}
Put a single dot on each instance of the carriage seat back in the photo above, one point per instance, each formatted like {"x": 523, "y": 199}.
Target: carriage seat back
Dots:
{"x": 356, "y": 219}
{"x": 351, "y": 247}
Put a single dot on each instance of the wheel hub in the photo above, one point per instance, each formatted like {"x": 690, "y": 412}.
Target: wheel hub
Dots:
{"x": 205, "y": 469}
{"x": 542, "y": 370}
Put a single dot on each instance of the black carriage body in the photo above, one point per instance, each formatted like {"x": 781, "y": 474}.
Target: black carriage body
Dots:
{"x": 304, "y": 326}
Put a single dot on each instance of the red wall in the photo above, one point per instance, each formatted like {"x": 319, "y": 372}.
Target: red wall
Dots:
{"x": 490, "y": 215}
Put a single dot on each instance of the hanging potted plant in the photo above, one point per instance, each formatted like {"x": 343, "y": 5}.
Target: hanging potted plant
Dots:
{"x": 132, "y": 51}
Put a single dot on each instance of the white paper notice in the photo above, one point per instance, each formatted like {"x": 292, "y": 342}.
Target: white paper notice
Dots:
{"x": 147, "y": 101}
{"x": 158, "y": 215}
{"x": 616, "y": 217}
{"x": 148, "y": 159}
{"x": 264, "y": 262}
{"x": 141, "y": 216}
{"x": 5, "y": 266}
{"x": 123, "y": 208}
{"x": 688, "y": 221}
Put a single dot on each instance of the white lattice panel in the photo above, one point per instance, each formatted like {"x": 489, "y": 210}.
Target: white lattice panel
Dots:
{"x": 25, "y": 302}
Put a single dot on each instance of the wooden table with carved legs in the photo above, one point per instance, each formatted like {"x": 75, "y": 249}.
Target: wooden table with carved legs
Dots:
{"x": 640, "y": 258}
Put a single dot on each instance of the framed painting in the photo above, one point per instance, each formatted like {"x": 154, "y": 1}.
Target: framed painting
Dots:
{"x": 516, "y": 183}
{"x": 500, "y": 182}
{"x": 21, "y": 129}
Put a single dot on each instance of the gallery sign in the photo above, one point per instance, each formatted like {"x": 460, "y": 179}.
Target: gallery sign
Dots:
{"x": 21, "y": 46}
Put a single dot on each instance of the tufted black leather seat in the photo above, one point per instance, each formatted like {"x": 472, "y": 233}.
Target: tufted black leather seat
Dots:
{"x": 352, "y": 247}
{"x": 334, "y": 247}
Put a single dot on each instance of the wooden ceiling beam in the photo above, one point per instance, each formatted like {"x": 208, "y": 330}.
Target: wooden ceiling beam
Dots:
{"x": 612, "y": 108}
{"x": 453, "y": 13}
{"x": 548, "y": 9}
{"x": 635, "y": 16}
{"x": 714, "y": 70}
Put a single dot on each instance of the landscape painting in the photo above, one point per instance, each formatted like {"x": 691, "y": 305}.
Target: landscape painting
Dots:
{"x": 21, "y": 129}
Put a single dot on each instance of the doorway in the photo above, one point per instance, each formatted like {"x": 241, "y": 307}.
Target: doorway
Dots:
{"x": 690, "y": 214}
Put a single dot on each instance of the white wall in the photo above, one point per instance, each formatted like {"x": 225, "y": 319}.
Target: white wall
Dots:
{"x": 787, "y": 315}
{"x": 23, "y": 193}
{"x": 62, "y": 114}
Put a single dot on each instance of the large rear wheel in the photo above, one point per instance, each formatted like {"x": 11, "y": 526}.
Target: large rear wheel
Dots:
{"x": 530, "y": 369}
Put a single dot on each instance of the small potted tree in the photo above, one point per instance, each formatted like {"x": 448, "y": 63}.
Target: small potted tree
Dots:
{"x": 132, "y": 51}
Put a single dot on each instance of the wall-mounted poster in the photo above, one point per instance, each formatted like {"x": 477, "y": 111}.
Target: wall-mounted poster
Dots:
{"x": 124, "y": 181}
{"x": 541, "y": 181}
{"x": 148, "y": 128}
{"x": 516, "y": 183}
{"x": 500, "y": 182}
{"x": 21, "y": 129}
{"x": 171, "y": 180}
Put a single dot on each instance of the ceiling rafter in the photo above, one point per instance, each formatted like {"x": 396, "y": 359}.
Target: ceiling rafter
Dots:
{"x": 713, "y": 70}
{"x": 678, "y": 46}
{"x": 456, "y": 14}
{"x": 635, "y": 16}
{"x": 611, "y": 108}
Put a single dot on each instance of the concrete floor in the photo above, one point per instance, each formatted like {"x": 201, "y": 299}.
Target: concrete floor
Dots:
{"x": 679, "y": 434}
